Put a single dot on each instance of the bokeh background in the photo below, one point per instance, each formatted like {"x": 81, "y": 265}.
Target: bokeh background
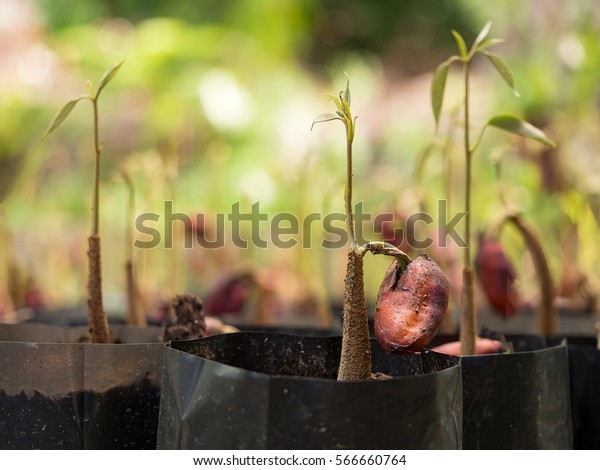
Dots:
{"x": 214, "y": 106}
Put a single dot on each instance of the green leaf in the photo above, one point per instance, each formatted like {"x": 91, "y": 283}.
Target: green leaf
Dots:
{"x": 489, "y": 43}
{"x": 62, "y": 115}
{"x": 438, "y": 86}
{"x": 517, "y": 126}
{"x": 502, "y": 69}
{"x": 347, "y": 95}
{"x": 108, "y": 76}
{"x": 338, "y": 103}
{"x": 462, "y": 47}
{"x": 325, "y": 117}
{"x": 480, "y": 37}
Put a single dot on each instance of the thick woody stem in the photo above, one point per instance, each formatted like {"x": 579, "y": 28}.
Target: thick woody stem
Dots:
{"x": 96, "y": 316}
{"x": 355, "y": 361}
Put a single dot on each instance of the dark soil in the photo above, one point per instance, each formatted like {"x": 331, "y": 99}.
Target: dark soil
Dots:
{"x": 124, "y": 417}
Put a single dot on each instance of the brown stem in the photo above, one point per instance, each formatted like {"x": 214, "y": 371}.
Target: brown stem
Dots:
{"x": 547, "y": 312}
{"x": 96, "y": 316}
{"x": 468, "y": 324}
{"x": 355, "y": 361}
{"x": 384, "y": 248}
{"x": 135, "y": 311}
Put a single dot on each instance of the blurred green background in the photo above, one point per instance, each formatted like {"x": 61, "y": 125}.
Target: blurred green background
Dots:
{"x": 214, "y": 104}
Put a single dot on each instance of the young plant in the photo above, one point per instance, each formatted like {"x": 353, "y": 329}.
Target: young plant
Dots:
{"x": 404, "y": 292}
{"x": 503, "y": 122}
{"x": 135, "y": 309}
{"x": 96, "y": 315}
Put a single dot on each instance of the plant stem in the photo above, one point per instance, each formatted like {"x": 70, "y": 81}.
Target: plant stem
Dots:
{"x": 468, "y": 320}
{"x": 547, "y": 312}
{"x": 135, "y": 312}
{"x": 96, "y": 315}
{"x": 384, "y": 248}
{"x": 355, "y": 361}
{"x": 98, "y": 151}
{"x": 348, "y": 195}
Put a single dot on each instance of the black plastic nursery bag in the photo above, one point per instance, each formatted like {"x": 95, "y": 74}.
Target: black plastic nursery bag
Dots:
{"x": 518, "y": 400}
{"x": 78, "y": 396}
{"x": 275, "y": 391}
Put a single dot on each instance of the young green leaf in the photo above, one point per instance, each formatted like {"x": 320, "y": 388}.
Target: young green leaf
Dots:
{"x": 62, "y": 115}
{"x": 517, "y": 126}
{"x": 347, "y": 95}
{"x": 338, "y": 103}
{"x": 480, "y": 37}
{"x": 438, "y": 86}
{"x": 489, "y": 43}
{"x": 462, "y": 47}
{"x": 502, "y": 69}
{"x": 108, "y": 76}
{"x": 325, "y": 117}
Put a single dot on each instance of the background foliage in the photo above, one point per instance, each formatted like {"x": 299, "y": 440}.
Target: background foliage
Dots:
{"x": 214, "y": 104}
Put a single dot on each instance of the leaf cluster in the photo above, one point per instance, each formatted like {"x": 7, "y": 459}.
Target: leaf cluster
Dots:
{"x": 343, "y": 113}
{"x": 480, "y": 46}
{"x": 92, "y": 96}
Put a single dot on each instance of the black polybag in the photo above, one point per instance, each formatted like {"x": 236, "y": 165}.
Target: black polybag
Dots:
{"x": 56, "y": 394}
{"x": 275, "y": 391}
{"x": 518, "y": 400}
{"x": 584, "y": 371}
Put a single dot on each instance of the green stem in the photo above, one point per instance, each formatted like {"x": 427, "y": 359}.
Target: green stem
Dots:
{"x": 98, "y": 151}
{"x": 348, "y": 195}
{"x": 468, "y": 321}
{"x": 468, "y": 159}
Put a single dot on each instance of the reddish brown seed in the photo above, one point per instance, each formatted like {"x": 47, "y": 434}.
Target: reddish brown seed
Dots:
{"x": 230, "y": 295}
{"x": 411, "y": 305}
{"x": 497, "y": 277}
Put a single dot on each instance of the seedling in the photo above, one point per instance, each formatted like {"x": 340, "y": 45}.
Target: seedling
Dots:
{"x": 503, "y": 122}
{"x": 96, "y": 315}
{"x": 135, "y": 311}
{"x": 355, "y": 361}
